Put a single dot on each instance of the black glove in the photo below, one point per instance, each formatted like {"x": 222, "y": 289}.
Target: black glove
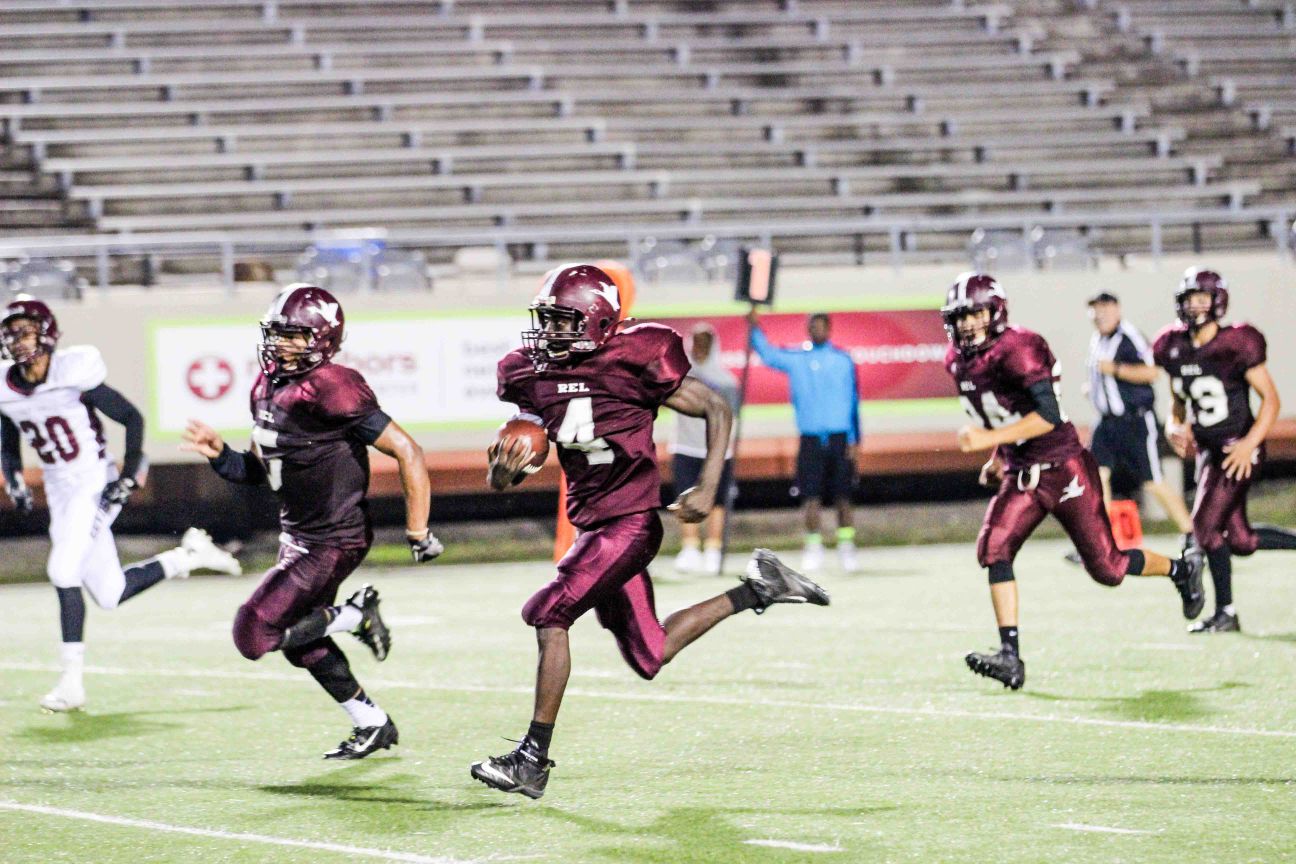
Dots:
{"x": 424, "y": 549}
{"x": 21, "y": 497}
{"x": 117, "y": 492}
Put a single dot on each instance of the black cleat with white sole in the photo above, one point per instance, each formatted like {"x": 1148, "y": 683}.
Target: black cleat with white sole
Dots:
{"x": 365, "y": 740}
{"x": 371, "y": 630}
{"x": 1190, "y": 585}
{"x": 521, "y": 771}
{"x": 775, "y": 582}
{"x": 1220, "y": 622}
{"x": 1003, "y": 666}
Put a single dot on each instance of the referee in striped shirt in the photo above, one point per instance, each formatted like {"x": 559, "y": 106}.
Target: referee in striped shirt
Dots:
{"x": 1125, "y": 440}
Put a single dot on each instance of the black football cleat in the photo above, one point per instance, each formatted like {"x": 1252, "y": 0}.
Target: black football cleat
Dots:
{"x": 366, "y": 740}
{"x": 1220, "y": 622}
{"x": 1189, "y": 585}
{"x": 371, "y": 631}
{"x": 1003, "y": 666}
{"x": 1073, "y": 557}
{"x": 775, "y": 582}
{"x": 520, "y": 771}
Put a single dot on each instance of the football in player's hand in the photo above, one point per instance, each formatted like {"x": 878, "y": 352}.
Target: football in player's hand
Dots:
{"x": 519, "y": 449}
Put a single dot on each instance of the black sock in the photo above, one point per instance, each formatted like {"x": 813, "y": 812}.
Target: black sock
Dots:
{"x": 1008, "y": 638}
{"x": 307, "y": 630}
{"x": 1135, "y": 562}
{"x": 334, "y": 674}
{"x": 538, "y": 737}
{"x": 140, "y": 577}
{"x": 1273, "y": 537}
{"x": 1221, "y": 567}
{"x": 743, "y": 597}
{"x": 71, "y": 614}
{"x": 1178, "y": 570}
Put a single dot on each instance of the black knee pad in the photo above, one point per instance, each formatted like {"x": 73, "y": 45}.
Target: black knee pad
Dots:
{"x": 1136, "y": 562}
{"x": 1001, "y": 571}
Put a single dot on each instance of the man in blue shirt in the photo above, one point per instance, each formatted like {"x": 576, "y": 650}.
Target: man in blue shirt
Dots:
{"x": 825, "y": 399}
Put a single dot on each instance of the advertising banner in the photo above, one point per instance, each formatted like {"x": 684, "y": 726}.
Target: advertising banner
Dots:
{"x": 434, "y": 371}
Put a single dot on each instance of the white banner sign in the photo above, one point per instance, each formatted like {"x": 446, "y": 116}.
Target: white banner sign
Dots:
{"x": 426, "y": 371}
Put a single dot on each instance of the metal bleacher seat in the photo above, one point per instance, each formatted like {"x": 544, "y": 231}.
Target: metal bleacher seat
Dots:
{"x": 458, "y": 119}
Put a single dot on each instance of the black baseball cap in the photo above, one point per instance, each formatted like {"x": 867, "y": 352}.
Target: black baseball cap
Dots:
{"x": 1103, "y": 297}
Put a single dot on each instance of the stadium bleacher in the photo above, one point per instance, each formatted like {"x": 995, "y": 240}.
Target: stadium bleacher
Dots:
{"x": 142, "y": 116}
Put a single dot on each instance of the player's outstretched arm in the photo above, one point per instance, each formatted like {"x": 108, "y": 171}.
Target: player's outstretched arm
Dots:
{"x": 1237, "y": 463}
{"x": 236, "y": 466}
{"x": 695, "y": 399}
{"x": 397, "y": 443}
{"x": 1041, "y": 421}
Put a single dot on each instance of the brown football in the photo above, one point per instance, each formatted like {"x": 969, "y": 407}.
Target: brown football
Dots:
{"x": 524, "y": 427}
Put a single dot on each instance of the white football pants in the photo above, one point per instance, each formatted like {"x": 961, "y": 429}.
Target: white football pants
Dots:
{"x": 79, "y": 555}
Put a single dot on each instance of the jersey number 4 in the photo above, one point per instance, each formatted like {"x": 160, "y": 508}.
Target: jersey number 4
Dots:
{"x": 577, "y": 432}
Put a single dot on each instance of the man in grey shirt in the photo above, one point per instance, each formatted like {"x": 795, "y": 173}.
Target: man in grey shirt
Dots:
{"x": 689, "y": 449}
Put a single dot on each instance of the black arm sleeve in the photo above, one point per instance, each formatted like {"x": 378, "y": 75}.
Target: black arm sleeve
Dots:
{"x": 239, "y": 466}
{"x": 1046, "y": 401}
{"x": 370, "y": 427}
{"x": 117, "y": 407}
{"x": 10, "y": 451}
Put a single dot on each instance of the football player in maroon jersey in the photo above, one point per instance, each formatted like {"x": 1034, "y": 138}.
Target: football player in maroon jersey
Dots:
{"x": 1009, "y": 383}
{"x": 1213, "y": 368}
{"x": 313, "y": 424}
{"x": 596, "y": 389}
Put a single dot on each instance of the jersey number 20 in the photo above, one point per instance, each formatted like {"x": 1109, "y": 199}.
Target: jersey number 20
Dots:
{"x": 577, "y": 432}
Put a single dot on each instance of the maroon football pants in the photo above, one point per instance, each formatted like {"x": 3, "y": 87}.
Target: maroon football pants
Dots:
{"x": 606, "y": 570}
{"x": 1072, "y": 492}
{"x": 1219, "y": 513}
{"x": 304, "y": 580}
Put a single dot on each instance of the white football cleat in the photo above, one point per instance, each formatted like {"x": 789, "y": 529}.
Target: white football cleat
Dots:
{"x": 846, "y": 555}
{"x": 812, "y": 558}
{"x": 203, "y": 554}
{"x": 689, "y": 560}
{"x": 712, "y": 562}
{"x": 68, "y": 695}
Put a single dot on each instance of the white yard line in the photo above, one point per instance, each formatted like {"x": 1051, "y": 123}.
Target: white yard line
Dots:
{"x": 237, "y": 836}
{"x": 799, "y": 847}
{"x": 378, "y": 685}
{"x": 1099, "y": 829}
{"x": 793, "y": 845}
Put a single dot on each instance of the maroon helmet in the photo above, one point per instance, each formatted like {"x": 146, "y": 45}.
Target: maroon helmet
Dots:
{"x": 973, "y": 292}
{"x": 300, "y": 310}
{"x": 576, "y": 311}
{"x": 40, "y": 316}
{"x": 1195, "y": 281}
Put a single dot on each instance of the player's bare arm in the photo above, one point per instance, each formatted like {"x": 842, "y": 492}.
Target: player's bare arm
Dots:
{"x": 1238, "y": 463}
{"x": 974, "y": 438}
{"x": 695, "y": 399}
{"x": 1178, "y": 431}
{"x": 417, "y": 488}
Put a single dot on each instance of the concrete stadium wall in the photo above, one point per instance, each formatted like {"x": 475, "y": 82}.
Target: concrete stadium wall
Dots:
{"x": 1263, "y": 292}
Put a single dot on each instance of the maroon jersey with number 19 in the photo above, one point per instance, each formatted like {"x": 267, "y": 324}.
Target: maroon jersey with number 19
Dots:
{"x": 994, "y": 387}
{"x": 599, "y": 409}
{"x": 1211, "y": 380}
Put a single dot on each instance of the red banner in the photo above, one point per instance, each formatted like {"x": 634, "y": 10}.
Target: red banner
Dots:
{"x": 898, "y": 354}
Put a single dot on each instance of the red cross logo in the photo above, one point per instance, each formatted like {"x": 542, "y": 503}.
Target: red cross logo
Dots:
{"x": 210, "y": 377}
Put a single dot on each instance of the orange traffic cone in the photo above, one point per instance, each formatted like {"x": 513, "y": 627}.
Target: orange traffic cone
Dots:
{"x": 1127, "y": 529}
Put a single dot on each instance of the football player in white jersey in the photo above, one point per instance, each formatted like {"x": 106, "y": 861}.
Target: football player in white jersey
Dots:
{"x": 52, "y": 397}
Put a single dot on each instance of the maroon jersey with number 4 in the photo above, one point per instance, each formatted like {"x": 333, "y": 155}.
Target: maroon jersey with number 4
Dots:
{"x": 994, "y": 387}
{"x": 1211, "y": 380}
{"x": 312, "y": 433}
{"x": 599, "y": 409}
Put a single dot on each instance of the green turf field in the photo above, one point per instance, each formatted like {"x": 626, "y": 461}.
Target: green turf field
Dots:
{"x": 852, "y": 733}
